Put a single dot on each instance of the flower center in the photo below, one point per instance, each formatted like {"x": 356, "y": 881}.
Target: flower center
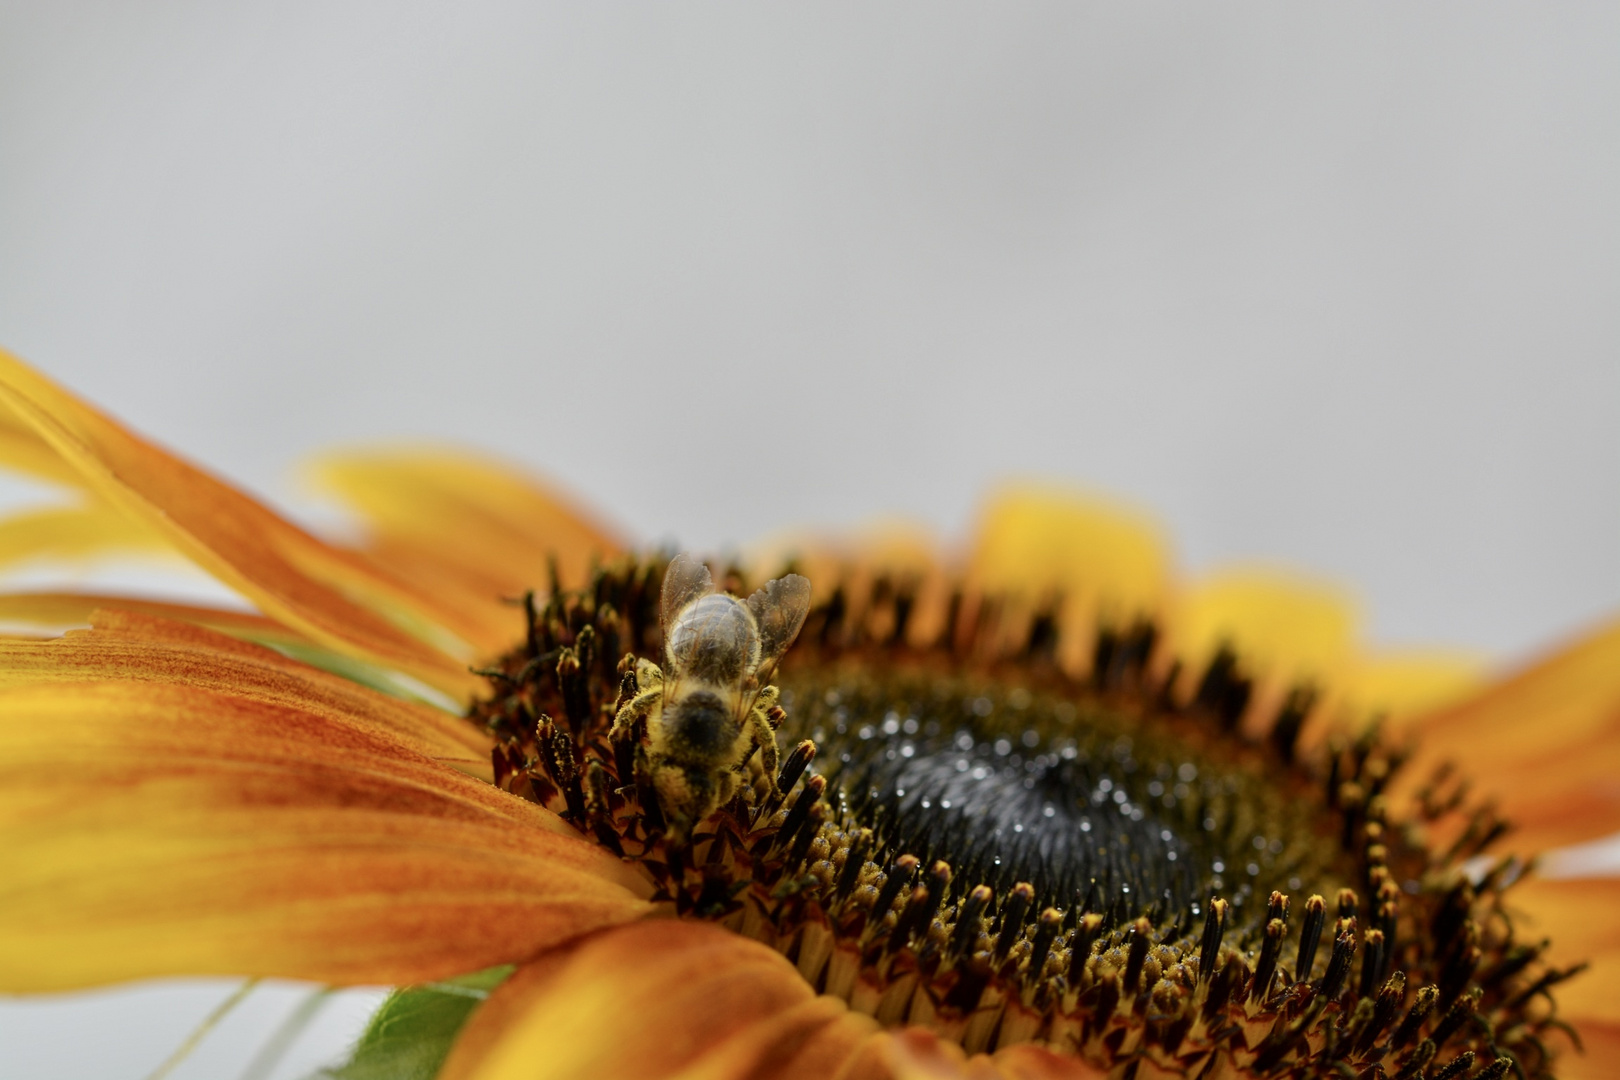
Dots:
{"x": 1076, "y": 798}
{"x": 972, "y": 838}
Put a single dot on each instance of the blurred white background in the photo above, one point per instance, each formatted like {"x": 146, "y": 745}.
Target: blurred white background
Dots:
{"x": 1338, "y": 289}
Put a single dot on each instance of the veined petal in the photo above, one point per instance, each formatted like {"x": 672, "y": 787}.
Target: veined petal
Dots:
{"x": 333, "y": 596}
{"x": 157, "y": 828}
{"x": 127, "y": 646}
{"x": 658, "y": 999}
{"x": 59, "y": 611}
{"x": 465, "y": 523}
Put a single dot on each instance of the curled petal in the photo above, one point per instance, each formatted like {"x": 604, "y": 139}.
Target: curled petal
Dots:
{"x": 336, "y": 597}
{"x": 472, "y": 529}
{"x": 658, "y": 999}
{"x": 167, "y": 827}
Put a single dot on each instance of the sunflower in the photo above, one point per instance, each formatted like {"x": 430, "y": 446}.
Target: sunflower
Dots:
{"x": 1042, "y": 812}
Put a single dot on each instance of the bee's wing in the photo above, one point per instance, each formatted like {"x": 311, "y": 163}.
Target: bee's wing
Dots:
{"x": 685, "y": 580}
{"x": 779, "y": 610}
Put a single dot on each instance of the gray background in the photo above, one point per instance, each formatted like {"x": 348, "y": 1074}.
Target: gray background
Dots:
{"x": 1332, "y": 288}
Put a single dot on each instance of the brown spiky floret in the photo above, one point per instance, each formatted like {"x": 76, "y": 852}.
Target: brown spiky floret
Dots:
{"x": 974, "y": 839}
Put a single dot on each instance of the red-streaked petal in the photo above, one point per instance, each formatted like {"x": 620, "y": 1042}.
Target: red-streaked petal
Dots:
{"x": 156, "y": 828}
{"x": 335, "y": 597}
{"x": 658, "y": 999}
{"x": 130, "y": 646}
{"x": 59, "y": 611}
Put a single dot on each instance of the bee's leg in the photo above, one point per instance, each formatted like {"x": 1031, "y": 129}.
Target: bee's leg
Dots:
{"x": 687, "y": 796}
{"x": 649, "y": 686}
{"x": 764, "y": 737}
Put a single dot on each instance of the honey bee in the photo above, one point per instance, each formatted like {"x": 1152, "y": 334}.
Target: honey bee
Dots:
{"x": 708, "y": 708}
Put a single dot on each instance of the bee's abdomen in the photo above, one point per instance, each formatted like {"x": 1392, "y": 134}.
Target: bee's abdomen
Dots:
{"x": 698, "y": 727}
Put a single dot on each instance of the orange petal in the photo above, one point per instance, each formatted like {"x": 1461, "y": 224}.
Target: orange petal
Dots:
{"x": 1601, "y": 1042}
{"x": 463, "y": 523}
{"x": 143, "y": 648}
{"x": 158, "y": 828}
{"x": 915, "y": 1054}
{"x": 331, "y": 595}
{"x": 657, "y": 999}
{"x": 1582, "y": 918}
{"x": 1545, "y": 742}
{"x": 1029, "y": 1062}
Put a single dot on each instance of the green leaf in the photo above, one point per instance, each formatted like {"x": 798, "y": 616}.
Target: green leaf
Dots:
{"x": 412, "y": 1032}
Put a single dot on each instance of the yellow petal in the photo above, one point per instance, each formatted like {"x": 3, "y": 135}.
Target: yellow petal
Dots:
{"x": 161, "y": 828}
{"x": 1284, "y": 628}
{"x": 1098, "y": 561}
{"x": 75, "y": 533}
{"x": 1405, "y": 685}
{"x": 331, "y": 595}
{"x": 657, "y": 999}
{"x": 1036, "y": 541}
{"x": 464, "y": 523}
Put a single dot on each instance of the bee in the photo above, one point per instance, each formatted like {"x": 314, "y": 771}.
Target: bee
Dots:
{"x": 708, "y": 710}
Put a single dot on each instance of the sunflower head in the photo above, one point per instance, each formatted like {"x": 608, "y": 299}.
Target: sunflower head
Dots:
{"x": 1122, "y": 862}
{"x": 1039, "y": 805}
